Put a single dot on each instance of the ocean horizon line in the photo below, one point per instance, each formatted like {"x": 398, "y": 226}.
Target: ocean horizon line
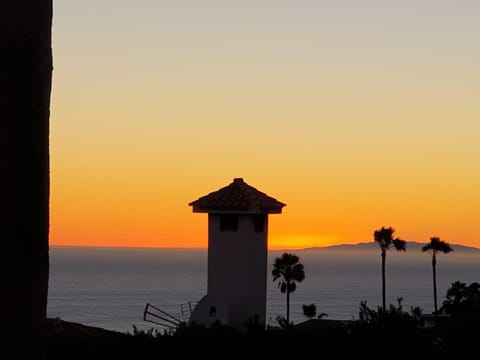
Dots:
{"x": 325, "y": 247}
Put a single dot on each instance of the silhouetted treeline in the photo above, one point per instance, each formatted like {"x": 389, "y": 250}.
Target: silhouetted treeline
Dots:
{"x": 391, "y": 333}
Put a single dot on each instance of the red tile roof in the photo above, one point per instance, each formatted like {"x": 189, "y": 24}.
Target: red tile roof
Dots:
{"x": 237, "y": 196}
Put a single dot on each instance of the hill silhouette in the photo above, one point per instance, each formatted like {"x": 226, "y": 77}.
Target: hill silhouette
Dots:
{"x": 412, "y": 246}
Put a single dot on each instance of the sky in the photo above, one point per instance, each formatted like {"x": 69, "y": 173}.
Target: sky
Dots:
{"x": 357, "y": 114}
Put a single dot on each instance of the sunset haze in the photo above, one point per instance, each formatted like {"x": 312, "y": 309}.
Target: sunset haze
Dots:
{"x": 356, "y": 114}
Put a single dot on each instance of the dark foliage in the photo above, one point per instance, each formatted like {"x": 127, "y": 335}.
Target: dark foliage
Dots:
{"x": 377, "y": 334}
{"x": 462, "y": 299}
{"x": 309, "y": 310}
{"x": 393, "y": 331}
{"x": 394, "y": 317}
{"x": 335, "y": 339}
{"x": 459, "y": 327}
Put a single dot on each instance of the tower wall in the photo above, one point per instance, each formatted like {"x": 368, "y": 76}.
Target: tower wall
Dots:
{"x": 237, "y": 264}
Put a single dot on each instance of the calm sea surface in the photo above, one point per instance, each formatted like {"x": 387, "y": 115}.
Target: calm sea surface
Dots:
{"x": 109, "y": 287}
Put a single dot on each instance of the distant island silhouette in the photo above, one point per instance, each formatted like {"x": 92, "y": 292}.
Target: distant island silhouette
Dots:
{"x": 412, "y": 246}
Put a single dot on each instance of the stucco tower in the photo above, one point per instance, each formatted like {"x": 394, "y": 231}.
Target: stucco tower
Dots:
{"x": 237, "y": 254}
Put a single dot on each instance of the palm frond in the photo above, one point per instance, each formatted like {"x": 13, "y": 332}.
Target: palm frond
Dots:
{"x": 437, "y": 246}
{"x": 399, "y": 244}
{"x": 292, "y": 287}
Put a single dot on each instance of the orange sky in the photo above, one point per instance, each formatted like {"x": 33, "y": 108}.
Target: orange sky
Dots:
{"x": 355, "y": 115}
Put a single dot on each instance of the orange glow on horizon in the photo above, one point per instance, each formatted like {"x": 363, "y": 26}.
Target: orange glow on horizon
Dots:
{"x": 281, "y": 243}
{"x": 145, "y": 215}
{"x": 350, "y": 117}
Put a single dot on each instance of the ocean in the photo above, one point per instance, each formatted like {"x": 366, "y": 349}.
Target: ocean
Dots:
{"x": 109, "y": 287}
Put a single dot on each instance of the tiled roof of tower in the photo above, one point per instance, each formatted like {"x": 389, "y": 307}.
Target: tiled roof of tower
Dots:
{"x": 237, "y": 196}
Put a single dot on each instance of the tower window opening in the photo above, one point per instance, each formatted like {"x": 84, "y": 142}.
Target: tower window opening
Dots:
{"x": 259, "y": 223}
{"x": 228, "y": 222}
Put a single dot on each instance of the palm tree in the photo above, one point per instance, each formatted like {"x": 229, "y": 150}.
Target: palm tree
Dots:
{"x": 384, "y": 238}
{"x": 309, "y": 310}
{"x": 26, "y": 74}
{"x": 288, "y": 271}
{"x": 434, "y": 247}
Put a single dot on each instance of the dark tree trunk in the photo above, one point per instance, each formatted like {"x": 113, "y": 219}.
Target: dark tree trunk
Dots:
{"x": 288, "y": 304}
{"x": 384, "y": 302}
{"x": 25, "y": 83}
{"x": 434, "y": 267}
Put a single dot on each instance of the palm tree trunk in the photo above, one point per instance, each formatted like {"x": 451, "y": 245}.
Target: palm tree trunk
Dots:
{"x": 434, "y": 266}
{"x": 384, "y": 302}
{"x": 288, "y": 304}
{"x": 25, "y": 83}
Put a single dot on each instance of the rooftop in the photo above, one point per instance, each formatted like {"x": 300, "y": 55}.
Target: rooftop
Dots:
{"x": 237, "y": 196}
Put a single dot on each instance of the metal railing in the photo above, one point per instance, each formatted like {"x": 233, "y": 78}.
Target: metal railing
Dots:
{"x": 158, "y": 316}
